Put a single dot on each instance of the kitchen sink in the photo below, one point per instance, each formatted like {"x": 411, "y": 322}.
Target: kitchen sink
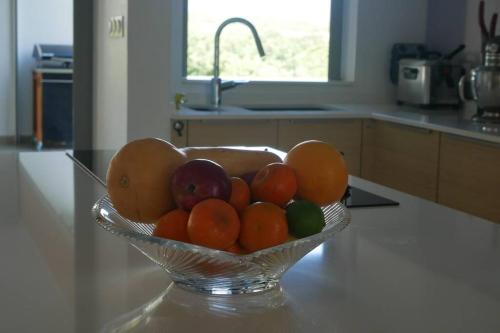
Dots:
{"x": 203, "y": 108}
{"x": 263, "y": 108}
{"x": 289, "y": 108}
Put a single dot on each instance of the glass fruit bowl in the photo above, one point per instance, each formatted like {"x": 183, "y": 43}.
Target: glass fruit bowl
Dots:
{"x": 210, "y": 271}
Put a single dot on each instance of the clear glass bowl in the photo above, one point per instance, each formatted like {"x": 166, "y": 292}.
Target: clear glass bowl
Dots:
{"x": 205, "y": 270}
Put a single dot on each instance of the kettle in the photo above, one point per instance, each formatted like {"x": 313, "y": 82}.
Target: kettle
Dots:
{"x": 484, "y": 82}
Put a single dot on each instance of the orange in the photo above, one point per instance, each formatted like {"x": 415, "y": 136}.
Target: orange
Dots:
{"x": 321, "y": 172}
{"x": 173, "y": 225}
{"x": 240, "y": 194}
{"x": 275, "y": 183}
{"x": 213, "y": 223}
{"x": 263, "y": 225}
{"x": 236, "y": 249}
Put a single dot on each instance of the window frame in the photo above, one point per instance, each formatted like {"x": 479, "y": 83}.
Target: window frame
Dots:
{"x": 334, "y": 55}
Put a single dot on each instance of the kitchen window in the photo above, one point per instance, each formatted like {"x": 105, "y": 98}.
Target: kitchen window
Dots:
{"x": 302, "y": 40}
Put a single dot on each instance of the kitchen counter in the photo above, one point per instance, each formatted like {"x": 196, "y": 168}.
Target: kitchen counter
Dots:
{"x": 443, "y": 120}
{"x": 418, "y": 267}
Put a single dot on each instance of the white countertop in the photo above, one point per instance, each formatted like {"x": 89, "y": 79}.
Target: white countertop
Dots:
{"x": 419, "y": 267}
{"x": 446, "y": 121}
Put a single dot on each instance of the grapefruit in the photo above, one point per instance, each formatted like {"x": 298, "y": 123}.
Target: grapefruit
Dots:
{"x": 138, "y": 179}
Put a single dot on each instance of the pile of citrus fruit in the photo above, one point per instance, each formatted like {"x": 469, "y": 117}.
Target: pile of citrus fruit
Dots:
{"x": 229, "y": 199}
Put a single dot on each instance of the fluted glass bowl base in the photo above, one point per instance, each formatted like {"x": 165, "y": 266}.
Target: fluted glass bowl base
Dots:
{"x": 236, "y": 287}
{"x": 215, "y": 272}
{"x": 242, "y": 303}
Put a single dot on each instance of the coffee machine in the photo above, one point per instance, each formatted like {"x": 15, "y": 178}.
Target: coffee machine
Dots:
{"x": 484, "y": 84}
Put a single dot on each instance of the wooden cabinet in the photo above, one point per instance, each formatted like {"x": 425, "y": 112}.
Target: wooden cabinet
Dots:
{"x": 226, "y": 133}
{"x": 469, "y": 176}
{"x": 345, "y": 134}
{"x": 402, "y": 157}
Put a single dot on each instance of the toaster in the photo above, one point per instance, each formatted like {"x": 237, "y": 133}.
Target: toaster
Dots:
{"x": 428, "y": 83}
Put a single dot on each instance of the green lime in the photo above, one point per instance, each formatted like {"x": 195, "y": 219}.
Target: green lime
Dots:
{"x": 304, "y": 218}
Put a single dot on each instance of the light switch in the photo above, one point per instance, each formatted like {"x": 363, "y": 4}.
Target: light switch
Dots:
{"x": 117, "y": 27}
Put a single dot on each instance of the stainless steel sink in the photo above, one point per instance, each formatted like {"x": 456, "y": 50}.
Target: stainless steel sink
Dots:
{"x": 262, "y": 108}
{"x": 289, "y": 108}
{"x": 211, "y": 108}
{"x": 203, "y": 108}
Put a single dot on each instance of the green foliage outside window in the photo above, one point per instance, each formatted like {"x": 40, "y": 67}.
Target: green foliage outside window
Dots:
{"x": 298, "y": 50}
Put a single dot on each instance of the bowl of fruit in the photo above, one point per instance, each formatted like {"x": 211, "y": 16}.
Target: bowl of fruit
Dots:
{"x": 224, "y": 220}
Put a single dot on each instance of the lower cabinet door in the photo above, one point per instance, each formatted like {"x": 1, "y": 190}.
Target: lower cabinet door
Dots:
{"x": 469, "y": 176}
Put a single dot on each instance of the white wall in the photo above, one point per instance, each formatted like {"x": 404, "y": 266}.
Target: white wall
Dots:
{"x": 48, "y": 22}
{"x": 110, "y": 78}
{"x": 7, "y": 74}
{"x": 452, "y": 22}
{"x": 148, "y": 70}
{"x": 131, "y": 74}
{"x": 445, "y": 24}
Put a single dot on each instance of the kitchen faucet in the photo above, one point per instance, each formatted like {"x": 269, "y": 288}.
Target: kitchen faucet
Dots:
{"x": 217, "y": 86}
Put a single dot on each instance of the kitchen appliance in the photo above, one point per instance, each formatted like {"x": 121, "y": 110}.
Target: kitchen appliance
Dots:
{"x": 405, "y": 51}
{"x": 430, "y": 82}
{"x": 484, "y": 83}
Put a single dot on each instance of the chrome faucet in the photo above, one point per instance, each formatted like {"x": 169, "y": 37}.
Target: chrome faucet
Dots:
{"x": 217, "y": 86}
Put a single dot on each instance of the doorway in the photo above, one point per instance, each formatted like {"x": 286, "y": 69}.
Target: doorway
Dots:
{"x": 43, "y": 81}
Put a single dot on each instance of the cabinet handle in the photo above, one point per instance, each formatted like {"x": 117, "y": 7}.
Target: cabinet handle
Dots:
{"x": 178, "y": 127}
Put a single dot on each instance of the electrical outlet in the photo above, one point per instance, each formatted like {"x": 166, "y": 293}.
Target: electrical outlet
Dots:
{"x": 117, "y": 27}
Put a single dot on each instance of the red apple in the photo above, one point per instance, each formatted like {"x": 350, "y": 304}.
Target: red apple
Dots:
{"x": 198, "y": 180}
